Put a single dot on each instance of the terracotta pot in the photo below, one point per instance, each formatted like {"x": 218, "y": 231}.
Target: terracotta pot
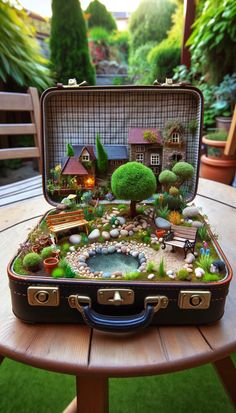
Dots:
{"x": 219, "y": 147}
{"x": 160, "y": 233}
{"x": 55, "y": 253}
{"x": 220, "y": 170}
{"x": 36, "y": 248}
{"x": 223, "y": 122}
{"x": 50, "y": 263}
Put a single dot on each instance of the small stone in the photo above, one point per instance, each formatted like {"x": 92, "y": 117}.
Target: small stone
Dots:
{"x": 199, "y": 272}
{"x": 131, "y": 233}
{"x": 92, "y": 253}
{"x": 121, "y": 220}
{"x": 190, "y": 258}
{"x": 144, "y": 225}
{"x": 162, "y": 223}
{"x": 189, "y": 269}
{"x": 124, "y": 232}
{"x": 72, "y": 248}
{"x": 118, "y": 273}
{"x": 141, "y": 255}
{"x": 114, "y": 233}
{"x": 197, "y": 224}
{"x": 95, "y": 234}
{"x": 135, "y": 254}
{"x": 151, "y": 276}
{"x": 107, "y": 275}
{"x": 104, "y": 251}
{"x": 111, "y": 249}
{"x": 75, "y": 239}
{"x": 123, "y": 249}
{"x": 172, "y": 276}
{"x": 81, "y": 258}
{"x": 106, "y": 235}
{"x": 142, "y": 260}
{"x": 129, "y": 227}
{"x": 191, "y": 212}
{"x": 169, "y": 272}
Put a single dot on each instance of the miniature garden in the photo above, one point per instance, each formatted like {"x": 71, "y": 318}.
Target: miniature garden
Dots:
{"x": 148, "y": 236}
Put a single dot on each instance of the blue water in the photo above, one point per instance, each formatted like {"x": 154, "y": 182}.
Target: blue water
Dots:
{"x": 113, "y": 262}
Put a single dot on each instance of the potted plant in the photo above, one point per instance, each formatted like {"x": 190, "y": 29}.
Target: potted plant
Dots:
{"x": 215, "y": 165}
{"x": 225, "y": 101}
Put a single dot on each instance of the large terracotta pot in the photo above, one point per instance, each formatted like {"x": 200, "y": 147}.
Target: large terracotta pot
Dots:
{"x": 220, "y": 170}
{"x": 215, "y": 165}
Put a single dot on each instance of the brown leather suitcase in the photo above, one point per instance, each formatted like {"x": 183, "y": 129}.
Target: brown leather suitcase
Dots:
{"x": 119, "y": 114}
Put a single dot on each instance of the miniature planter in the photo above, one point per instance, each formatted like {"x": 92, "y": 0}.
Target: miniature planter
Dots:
{"x": 50, "y": 263}
{"x": 160, "y": 233}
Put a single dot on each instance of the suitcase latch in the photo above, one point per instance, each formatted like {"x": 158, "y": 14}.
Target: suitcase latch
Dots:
{"x": 194, "y": 300}
{"x": 43, "y": 296}
{"x": 112, "y": 296}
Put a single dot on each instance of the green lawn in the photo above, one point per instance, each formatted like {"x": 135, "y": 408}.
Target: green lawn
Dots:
{"x": 24, "y": 389}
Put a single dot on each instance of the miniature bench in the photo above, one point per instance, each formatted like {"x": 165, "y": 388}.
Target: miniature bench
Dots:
{"x": 66, "y": 220}
{"x": 181, "y": 237}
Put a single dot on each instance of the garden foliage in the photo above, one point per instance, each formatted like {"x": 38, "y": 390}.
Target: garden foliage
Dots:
{"x": 99, "y": 16}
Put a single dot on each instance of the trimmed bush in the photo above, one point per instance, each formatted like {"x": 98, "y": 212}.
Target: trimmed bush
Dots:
{"x": 100, "y": 16}
{"x": 167, "y": 178}
{"x": 102, "y": 158}
{"x": 163, "y": 58}
{"x": 183, "y": 274}
{"x": 32, "y": 261}
{"x": 133, "y": 181}
{"x": 183, "y": 170}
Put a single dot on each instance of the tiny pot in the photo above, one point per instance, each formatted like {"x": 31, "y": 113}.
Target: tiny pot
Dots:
{"x": 36, "y": 248}
{"x": 160, "y": 233}
{"x": 223, "y": 122}
{"x": 55, "y": 253}
{"x": 50, "y": 263}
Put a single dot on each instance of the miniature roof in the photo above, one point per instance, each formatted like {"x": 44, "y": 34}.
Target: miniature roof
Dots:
{"x": 114, "y": 152}
{"x": 73, "y": 167}
{"x": 78, "y": 149}
{"x": 136, "y": 136}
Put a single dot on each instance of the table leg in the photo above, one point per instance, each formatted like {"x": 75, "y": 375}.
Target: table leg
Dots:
{"x": 92, "y": 396}
{"x": 227, "y": 373}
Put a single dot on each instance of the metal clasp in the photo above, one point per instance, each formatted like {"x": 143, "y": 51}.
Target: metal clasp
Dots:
{"x": 161, "y": 301}
{"x": 43, "y": 296}
{"x": 194, "y": 300}
{"x": 115, "y": 296}
{"x": 76, "y": 300}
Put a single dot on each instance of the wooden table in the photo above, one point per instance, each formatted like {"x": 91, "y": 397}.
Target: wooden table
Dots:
{"x": 93, "y": 356}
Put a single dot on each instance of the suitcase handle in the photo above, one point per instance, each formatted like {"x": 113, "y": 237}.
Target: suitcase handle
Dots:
{"x": 118, "y": 323}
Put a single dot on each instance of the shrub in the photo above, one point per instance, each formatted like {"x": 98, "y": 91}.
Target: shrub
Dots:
{"x": 18, "y": 267}
{"x": 217, "y": 136}
{"x": 183, "y": 274}
{"x": 203, "y": 234}
{"x": 32, "y": 261}
{"x": 161, "y": 269}
{"x": 69, "y": 150}
{"x": 69, "y": 44}
{"x": 65, "y": 247}
{"x": 132, "y": 275}
{"x": 173, "y": 191}
{"x": 174, "y": 217}
{"x": 139, "y": 69}
{"x": 184, "y": 171}
{"x": 156, "y": 247}
{"x": 99, "y": 210}
{"x": 205, "y": 262}
{"x": 65, "y": 266}
{"x": 102, "y": 158}
{"x": 167, "y": 178}
{"x": 133, "y": 181}
{"x": 151, "y": 266}
{"x": 89, "y": 214}
{"x": 46, "y": 252}
{"x": 208, "y": 277}
{"x": 163, "y": 58}
{"x": 173, "y": 202}
{"x": 87, "y": 196}
{"x": 163, "y": 212}
{"x": 100, "y": 16}
{"x": 146, "y": 239}
{"x": 58, "y": 273}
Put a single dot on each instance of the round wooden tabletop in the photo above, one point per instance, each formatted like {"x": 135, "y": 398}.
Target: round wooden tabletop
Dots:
{"x": 76, "y": 349}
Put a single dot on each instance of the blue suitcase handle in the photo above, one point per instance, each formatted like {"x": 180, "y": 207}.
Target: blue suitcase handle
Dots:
{"x": 118, "y": 323}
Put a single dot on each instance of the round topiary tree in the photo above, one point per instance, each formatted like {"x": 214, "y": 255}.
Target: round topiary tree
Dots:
{"x": 133, "y": 181}
{"x": 68, "y": 42}
{"x": 99, "y": 16}
{"x": 184, "y": 171}
{"x": 167, "y": 179}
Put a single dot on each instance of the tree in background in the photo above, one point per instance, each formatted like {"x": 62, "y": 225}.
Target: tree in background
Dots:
{"x": 150, "y": 22}
{"x": 20, "y": 61}
{"x": 69, "y": 46}
{"x": 99, "y": 16}
{"x": 102, "y": 158}
{"x": 133, "y": 181}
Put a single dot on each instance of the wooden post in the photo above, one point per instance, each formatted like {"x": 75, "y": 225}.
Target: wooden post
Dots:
{"x": 227, "y": 373}
{"x": 189, "y": 15}
{"x": 230, "y": 147}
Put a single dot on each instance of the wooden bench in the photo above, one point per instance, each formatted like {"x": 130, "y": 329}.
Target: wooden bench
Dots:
{"x": 66, "y": 220}
{"x": 180, "y": 237}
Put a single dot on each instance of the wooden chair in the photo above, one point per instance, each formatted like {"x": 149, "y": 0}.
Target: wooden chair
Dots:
{"x": 21, "y": 102}
{"x": 181, "y": 237}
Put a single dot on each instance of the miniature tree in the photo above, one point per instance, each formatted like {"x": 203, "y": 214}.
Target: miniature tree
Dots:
{"x": 68, "y": 42}
{"x": 69, "y": 150}
{"x": 167, "y": 179}
{"x": 133, "y": 181}
{"x": 184, "y": 171}
{"x": 102, "y": 158}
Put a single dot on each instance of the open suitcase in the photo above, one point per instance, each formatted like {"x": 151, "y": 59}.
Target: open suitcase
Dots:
{"x": 158, "y": 126}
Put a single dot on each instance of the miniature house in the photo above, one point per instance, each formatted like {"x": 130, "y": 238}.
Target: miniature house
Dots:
{"x": 145, "y": 150}
{"x": 117, "y": 156}
{"x": 174, "y": 149}
{"x": 81, "y": 166}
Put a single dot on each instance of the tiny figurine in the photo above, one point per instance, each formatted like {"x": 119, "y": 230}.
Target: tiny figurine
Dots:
{"x": 218, "y": 267}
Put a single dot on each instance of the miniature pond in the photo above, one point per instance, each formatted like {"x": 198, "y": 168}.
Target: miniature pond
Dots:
{"x": 112, "y": 263}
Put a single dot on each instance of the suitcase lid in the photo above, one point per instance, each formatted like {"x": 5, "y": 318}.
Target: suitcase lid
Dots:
{"x": 121, "y": 115}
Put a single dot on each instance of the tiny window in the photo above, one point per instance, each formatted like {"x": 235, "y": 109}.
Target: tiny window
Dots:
{"x": 155, "y": 159}
{"x": 140, "y": 149}
{"x": 139, "y": 157}
{"x": 175, "y": 137}
{"x": 85, "y": 158}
